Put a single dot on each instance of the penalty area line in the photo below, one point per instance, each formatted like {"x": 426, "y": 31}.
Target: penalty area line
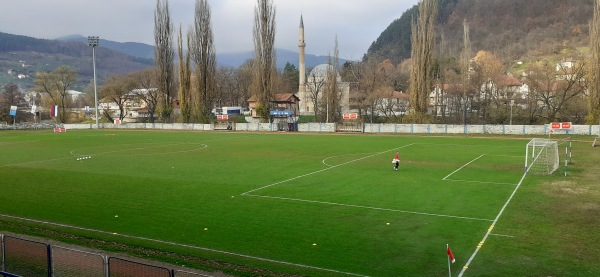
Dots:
{"x": 181, "y": 245}
{"x": 463, "y": 166}
{"x": 367, "y": 207}
{"x": 322, "y": 170}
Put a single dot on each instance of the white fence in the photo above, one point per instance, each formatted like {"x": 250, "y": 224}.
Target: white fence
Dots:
{"x": 368, "y": 128}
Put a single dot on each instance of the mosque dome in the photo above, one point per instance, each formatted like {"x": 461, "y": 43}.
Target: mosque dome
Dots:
{"x": 321, "y": 71}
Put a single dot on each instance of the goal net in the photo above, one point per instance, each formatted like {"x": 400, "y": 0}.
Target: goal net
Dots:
{"x": 541, "y": 156}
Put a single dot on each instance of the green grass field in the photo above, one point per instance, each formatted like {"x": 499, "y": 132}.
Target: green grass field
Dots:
{"x": 318, "y": 205}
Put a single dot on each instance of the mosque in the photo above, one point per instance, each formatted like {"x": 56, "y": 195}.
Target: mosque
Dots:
{"x": 316, "y": 81}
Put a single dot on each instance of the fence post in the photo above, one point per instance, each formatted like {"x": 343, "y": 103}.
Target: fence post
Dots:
{"x": 49, "y": 254}
{"x": 2, "y": 249}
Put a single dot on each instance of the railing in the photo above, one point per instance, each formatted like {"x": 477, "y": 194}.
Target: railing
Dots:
{"x": 25, "y": 257}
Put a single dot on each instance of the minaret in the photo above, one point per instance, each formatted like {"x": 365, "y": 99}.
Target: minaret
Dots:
{"x": 302, "y": 67}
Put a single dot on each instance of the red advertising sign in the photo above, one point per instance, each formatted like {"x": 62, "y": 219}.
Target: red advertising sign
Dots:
{"x": 350, "y": 116}
{"x": 222, "y": 117}
{"x": 560, "y": 125}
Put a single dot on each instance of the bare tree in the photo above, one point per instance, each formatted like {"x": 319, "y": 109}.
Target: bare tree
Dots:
{"x": 264, "y": 51}
{"x": 146, "y": 89}
{"x": 56, "y": 85}
{"x": 163, "y": 57}
{"x": 315, "y": 85}
{"x": 185, "y": 75}
{"x": 204, "y": 55}
{"x": 116, "y": 89}
{"x": 556, "y": 87}
{"x": 332, "y": 89}
{"x": 423, "y": 34}
{"x": 487, "y": 70}
{"x": 10, "y": 96}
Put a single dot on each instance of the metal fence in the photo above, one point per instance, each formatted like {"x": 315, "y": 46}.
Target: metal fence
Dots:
{"x": 24, "y": 257}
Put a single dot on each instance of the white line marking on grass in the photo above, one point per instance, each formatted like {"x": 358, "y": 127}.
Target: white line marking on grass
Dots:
{"x": 463, "y": 166}
{"x": 33, "y": 162}
{"x": 200, "y": 147}
{"x": 181, "y": 245}
{"x": 325, "y": 169}
{"x": 479, "y": 182}
{"x": 499, "y": 235}
{"x": 323, "y": 161}
{"x": 367, "y": 207}
{"x": 489, "y": 231}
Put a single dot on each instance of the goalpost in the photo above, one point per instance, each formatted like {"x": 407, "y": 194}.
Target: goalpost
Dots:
{"x": 541, "y": 156}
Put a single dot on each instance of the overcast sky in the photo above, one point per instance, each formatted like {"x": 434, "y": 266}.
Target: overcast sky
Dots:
{"x": 357, "y": 23}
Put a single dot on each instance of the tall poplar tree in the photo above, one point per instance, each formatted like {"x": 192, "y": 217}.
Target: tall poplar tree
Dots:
{"x": 264, "y": 65}
{"x": 185, "y": 72}
{"x": 164, "y": 55}
{"x": 423, "y": 35}
{"x": 204, "y": 55}
{"x": 594, "y": 67}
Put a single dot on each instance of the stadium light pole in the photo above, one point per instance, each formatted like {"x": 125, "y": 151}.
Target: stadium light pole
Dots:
{"x": 93, "y": 41}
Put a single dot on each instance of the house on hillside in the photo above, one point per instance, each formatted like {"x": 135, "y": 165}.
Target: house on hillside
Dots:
{"x": 389, "y": 104}
{"x": 447, "y": 99}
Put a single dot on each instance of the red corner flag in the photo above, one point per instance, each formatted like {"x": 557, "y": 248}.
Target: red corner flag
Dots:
{"x": 450, "y": 255}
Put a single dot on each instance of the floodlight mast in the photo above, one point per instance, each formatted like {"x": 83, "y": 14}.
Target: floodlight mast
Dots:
{"x": 93, "y": 41}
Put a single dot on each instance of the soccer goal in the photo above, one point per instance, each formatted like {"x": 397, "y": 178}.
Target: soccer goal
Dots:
{"x": 541, "y": 156}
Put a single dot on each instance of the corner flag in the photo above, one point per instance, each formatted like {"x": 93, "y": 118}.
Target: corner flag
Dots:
{"x": 450, "y": 255}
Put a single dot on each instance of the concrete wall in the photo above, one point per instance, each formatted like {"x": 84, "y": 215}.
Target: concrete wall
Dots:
{"x": 316, "y": 127}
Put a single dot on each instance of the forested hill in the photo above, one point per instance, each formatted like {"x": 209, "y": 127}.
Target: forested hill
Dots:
{"x": 27, "y": 55}
{"x": 512, "y": 29}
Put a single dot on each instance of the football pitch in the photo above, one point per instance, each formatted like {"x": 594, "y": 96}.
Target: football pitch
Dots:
{"x": 318, "y": 205}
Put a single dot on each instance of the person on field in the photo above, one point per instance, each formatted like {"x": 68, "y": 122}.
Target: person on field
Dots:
{"x": 396, "y": 161}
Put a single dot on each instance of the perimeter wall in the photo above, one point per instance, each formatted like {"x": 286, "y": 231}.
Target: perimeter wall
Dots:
{"x": 367, "y": 128}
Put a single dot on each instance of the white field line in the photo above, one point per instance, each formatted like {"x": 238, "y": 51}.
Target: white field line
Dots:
{"x": 72, "y": 152}
{"x": 367, "y": 207}
{"x": 499, "y": 235}
{"x": 321, "y": 170}
{"x": 325, "y": 163}
{"x": 463, "y": 166}
{"x": 479, "y": 182}
{"x": 489, "y": 231}
{"x": 201, "y": 146}
{"x": 34, "y": 162}
{"x": 182, "y": 245}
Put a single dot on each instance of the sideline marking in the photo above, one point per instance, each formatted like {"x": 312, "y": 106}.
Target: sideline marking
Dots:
{"x": 367, "y": 207}
{"x": 489, "y": 231}
{"x": 181, "y": 245}
{"x": 463, "y": 166}
{"x": 325, "y": 169}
